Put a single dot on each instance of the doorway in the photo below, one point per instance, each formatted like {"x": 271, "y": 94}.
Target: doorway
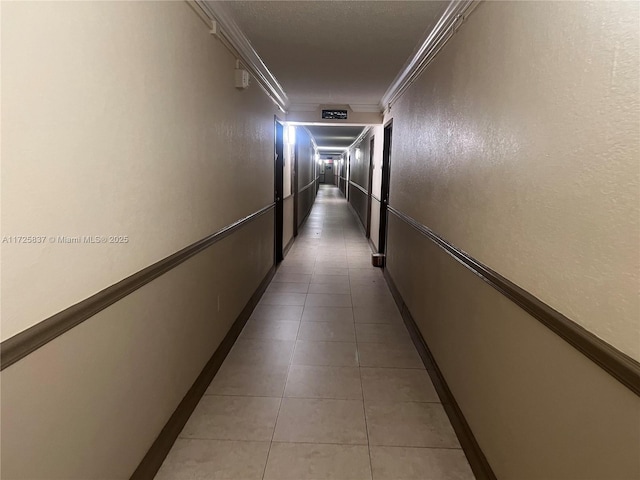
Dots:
{"x": 384, "y": 193}
{"x": 369, "y": 187}
{"x": 278, "y": 189}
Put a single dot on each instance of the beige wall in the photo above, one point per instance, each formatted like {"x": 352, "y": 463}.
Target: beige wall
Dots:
{"x": 306, "y": 173}
{"x": 520, "y": 145}
{"x": 539, "y": 409}
{"x": 119, "y": 118}
{"x": 89, "y": 404}
{"x": 359, "y": 174}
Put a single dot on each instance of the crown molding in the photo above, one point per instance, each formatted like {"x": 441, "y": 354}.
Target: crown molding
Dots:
{"x": 304, "y": 107}
{"x": 227, "y": 30}
{"x": 360, "y": 137}
{"x": 453, "y": 17}
{"x": 365, "y": 108}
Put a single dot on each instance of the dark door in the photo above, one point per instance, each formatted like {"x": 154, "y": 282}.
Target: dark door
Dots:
{"x": 278, "y": 187}
{"x": 370, "y": 185}
{"x": 294, "y": 184}
{"x": 384, "y": 197}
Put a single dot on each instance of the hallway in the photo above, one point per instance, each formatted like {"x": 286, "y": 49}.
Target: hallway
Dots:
{"x": 324, "y": 381}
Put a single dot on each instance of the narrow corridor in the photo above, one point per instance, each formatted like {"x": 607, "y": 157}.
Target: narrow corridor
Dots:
{"x": 324, "y": 381}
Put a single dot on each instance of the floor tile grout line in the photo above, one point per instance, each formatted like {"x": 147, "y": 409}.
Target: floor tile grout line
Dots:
{"x": 340, "y": 228}
{"x": 319, "y": 443}
{"x": 352, "y": 444}
{"x": 282, "y": 397}
{"x": 366, "y": 423}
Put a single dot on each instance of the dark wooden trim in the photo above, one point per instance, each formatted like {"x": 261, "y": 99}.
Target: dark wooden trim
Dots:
{"x": 357, "y": 217}
{"x": 359, "y": 187}
{"x": 372, "y": 246}
{"x": 306, "y": 186}
{"x": 306, "y": 216}
{"x": 152, "y": 461}
{"x": 27, "y": 341}
{"x": 385, "y": 185}
{"x": 278, "y": 187}
{"x": 619, "y": 365}
{"x": 478, "y": 462}
{"x": 288, "y": 245}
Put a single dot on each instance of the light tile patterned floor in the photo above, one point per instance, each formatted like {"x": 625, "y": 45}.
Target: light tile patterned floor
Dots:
{"x": 324, "y": 381}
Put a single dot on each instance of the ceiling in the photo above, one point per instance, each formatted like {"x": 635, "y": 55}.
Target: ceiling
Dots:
{"x": 338, "y": 136}
{"x": 335, "y": 52}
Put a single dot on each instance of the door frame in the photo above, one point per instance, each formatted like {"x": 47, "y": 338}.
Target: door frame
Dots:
{"x": 278, "y": 178}
{"x": 384, "y": 191}
{"x": 294, "y": 184}
{"x": 370, "y": 186}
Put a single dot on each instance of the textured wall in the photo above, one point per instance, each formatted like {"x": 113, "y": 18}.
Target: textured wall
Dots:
{"x": 306, "y": 173}
{"x": 539, "y": 409}
{"x": 89, "y": 404}
{"x": 118, "y": 118}
{"x": 520, "y": 145}
{"x": 359, "y": 173}
{"x": 121, "y": 118}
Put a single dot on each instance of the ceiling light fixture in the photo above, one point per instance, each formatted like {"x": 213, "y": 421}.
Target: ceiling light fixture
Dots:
{"x": 337, "y": 149}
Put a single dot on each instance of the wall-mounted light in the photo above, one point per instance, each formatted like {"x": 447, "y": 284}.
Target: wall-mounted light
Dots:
{"x": 358, "y": 154}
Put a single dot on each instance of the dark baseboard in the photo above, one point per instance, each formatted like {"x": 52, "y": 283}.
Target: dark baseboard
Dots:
{"x": 373, "y": 247}
{"x": 306, "y": 215}
{"x": 288, "y": 246}
{"x": 478, "y": 462}
{"x": 363, "y": 228}
{"x": 619, "y": 365}
{"x": 152, "y": 461}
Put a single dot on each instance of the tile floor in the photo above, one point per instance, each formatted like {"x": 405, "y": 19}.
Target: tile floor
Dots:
{"x": 324, "y": 381}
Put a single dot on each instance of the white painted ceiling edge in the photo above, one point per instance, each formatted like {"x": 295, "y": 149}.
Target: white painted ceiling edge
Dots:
{"x": 225, "y": 28}
{"x": 227, "y": 31}
{"x": 448, "y": 24}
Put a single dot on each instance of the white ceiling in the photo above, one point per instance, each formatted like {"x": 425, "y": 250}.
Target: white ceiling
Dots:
{"x": 337, "y": 136}
{"x": 335, "y": 52}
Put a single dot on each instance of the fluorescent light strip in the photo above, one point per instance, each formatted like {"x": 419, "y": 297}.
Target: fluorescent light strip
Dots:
{"x": 336, "y": 149}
